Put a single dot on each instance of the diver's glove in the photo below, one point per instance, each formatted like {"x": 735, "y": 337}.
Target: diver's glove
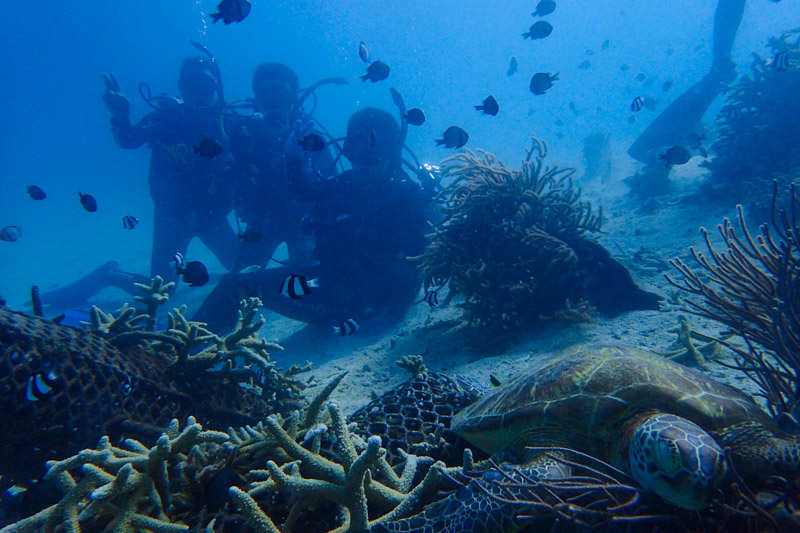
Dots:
{"x": 115, "y": 101}
{"x": 294, "y": 142}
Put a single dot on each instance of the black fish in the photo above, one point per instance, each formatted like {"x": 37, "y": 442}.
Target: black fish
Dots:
{"x": 347, "y": 327}
{"x": 781, "y": 61}
{"x": 624, "y": 67}
{"x": 296, "y": 286}
{"x": 637, "y": 104}
{"x": 542, "y": 81}
{"x": 129, "y": 221}
{"x": 41, "y": 385}
{"x": 10, "y": 233}
{"x": 312, "y": 143}
{"x": 489, "y": 106}
{"x": 677, "y": 155}
{"x": 415, "y": 117}
{"x": 544, "y": 7}
{"x": 208, "y": 148}
{"x": 454, "y": 137}
{"x": 512, "y": 67}
{"x": 376, "y": 71}
{"x": 36, "y": 192}
{"x": 88, "y": 202}
{"x": 641, "y": 76}
{"x": 667, "y": 86}
{"x": 539, "y": 30}
{"x": 431, "y": 298}
{"x": 363, "y": 52}
{"x": 232, "y": 11}
{"x": 194, "y": 273}
{"x": 250, "y": 235}
{"x": 605, "y": 45}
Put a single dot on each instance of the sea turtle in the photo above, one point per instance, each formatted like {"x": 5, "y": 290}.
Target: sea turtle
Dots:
{"x": 664, "y": 424}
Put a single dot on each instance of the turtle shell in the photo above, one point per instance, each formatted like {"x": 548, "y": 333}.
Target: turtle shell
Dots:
{"x": 583, "y": 397}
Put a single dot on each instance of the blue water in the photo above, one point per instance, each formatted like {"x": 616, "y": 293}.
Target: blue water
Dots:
{"x": 445, "y": 57}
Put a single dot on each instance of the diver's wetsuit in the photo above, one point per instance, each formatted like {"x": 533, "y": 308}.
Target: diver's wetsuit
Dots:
{"x": 363, "y": 233}
{"x": 268, "y": 199}
{"x": 189, "y": 192}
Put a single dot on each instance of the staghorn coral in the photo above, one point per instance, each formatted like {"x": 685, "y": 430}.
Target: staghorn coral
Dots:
{"x": 758, "y": 132}
{"x": 123, "y": 488}
{"x": 753, "y": 287}
{"x": 514, "y": 243}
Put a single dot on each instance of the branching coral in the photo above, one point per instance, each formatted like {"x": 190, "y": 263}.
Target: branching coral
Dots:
{"x": 120, "y": 488}
{"x": 758, "y": 133}
{"x": 508, "y": 238}
{"x": 753, "y": 287}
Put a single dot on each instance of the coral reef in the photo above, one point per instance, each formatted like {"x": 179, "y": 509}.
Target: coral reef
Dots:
{"x": 514, "y": 243}
{"x": 60, "y": 386}
{"x": 753, "y": 287}
{"x": 758, "y": 132}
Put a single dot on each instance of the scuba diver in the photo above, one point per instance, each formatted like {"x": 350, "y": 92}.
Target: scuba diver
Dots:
{"x": 677, "y": 123}
{"x": 364, "y": 222}
{"x": 190, "y": 195}
{"x": 270, "y": 198}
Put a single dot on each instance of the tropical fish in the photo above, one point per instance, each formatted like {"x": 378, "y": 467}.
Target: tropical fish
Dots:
{"x": 10, "y": 233}
{"x": 41, "y": 384}
{"x": 36, "y": 192}
{"x": 295, "y": 286}
{"x": 194, "y": 273}
{"x": 232, "y": 11}
{"x": 129, "y": 221}
{"x": 415, "y": 116}
{"x": 542, "y": 81}
{"x": 312, "y": 143}
{"x": 431, "y": 298}
{"x": 376, "y": 71}
{"x": 539, "y": 30}
{"x": 208, "y": 148}
{"x": 363, "y": 52}
{"x": 512, "y": 67}
{"x": 677, "y": 155}
{"x": 88, "y": 202}
{"x": 347, "y": 327}
{"x": 454, "y": 137}
{"x": 637, "y": 104}
{"x": 781, "y": 61}
{"x": 489, "y": 106}
{"x": 544, "y": 7}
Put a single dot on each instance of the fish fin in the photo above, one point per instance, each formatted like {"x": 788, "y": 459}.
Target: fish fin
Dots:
{"x": 479, "y": 108}
{"x": 216, "y": 17}
{"x": 440, "y": 142}
{"x": 313, "y": 282}
{"x": 364, "y": 77}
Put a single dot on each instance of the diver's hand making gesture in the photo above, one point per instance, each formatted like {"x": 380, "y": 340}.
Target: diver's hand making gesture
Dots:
{"x": 115, "y": 101}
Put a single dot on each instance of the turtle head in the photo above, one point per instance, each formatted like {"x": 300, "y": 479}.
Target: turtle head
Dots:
{"x": 677, "y": 459}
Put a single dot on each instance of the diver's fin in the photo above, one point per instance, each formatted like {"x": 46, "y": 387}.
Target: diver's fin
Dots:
{"x": 676, "y": 121}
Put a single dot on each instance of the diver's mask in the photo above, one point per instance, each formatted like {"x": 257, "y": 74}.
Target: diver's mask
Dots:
{"x": 198, "y": 88}
{"x": 275, "y": 102}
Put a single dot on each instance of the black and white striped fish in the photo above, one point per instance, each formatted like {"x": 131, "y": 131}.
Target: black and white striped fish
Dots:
{"x": 781, "y": 61}
{"x": 296, "y": 286}
{"x": 129, "y": 221}
{"x": 41, "y": 384}
{"x": 637, "y": 104}
{"x": 347, "y": 327}
{"x": 431, "y": 298}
